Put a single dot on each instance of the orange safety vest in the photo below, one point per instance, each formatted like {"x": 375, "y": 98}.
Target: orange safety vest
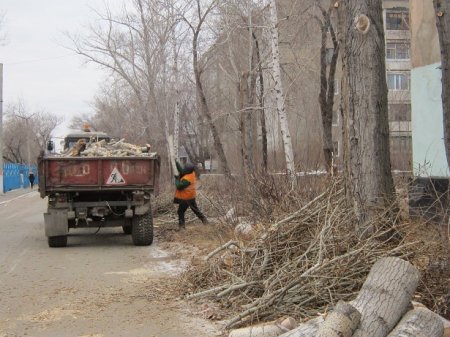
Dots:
{"x": 189, "y": 192}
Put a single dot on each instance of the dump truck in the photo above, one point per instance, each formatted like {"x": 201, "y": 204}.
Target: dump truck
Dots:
{"x": 97, "y": 191}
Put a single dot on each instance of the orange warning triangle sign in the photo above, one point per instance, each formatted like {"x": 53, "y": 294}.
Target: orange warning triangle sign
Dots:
{"x": 115, "y": 178}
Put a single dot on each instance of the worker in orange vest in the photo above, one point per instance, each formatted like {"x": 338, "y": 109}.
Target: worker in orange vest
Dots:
{"x": 186, "y": 192}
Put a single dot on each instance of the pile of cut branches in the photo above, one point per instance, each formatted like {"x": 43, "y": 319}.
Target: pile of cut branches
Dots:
{"x": 298, "y": 266}
{"x": 102, "y": 148}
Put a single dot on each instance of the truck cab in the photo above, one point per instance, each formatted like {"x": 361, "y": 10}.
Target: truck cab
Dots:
{"x": 72, "y": 138}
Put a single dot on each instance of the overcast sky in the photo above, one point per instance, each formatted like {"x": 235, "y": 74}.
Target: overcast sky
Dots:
{"x": 36, "y": 68}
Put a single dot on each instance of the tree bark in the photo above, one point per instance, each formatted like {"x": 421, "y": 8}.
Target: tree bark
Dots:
{"x": 327, "y": 86}
{"x": 385, "y": 296}
{"x": 367, "y": 169}
{"x": 307, "y": 329}
{"x": 341, "y": 322}
{"x": 442, "y": 8}
{"x": 269, "y": 329}
{"x": 244, "y": 124}
{"x": 204, "y": 109}
{"x": 261, "y": 105}
{"x": 279, "y": 95}
{"x": 419, "y": 322}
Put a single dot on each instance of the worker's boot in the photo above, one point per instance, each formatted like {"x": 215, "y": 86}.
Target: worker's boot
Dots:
{"x": 181, "y": 226}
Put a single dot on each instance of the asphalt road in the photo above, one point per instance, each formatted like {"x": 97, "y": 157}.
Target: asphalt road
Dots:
{"x": 100, "y": 285}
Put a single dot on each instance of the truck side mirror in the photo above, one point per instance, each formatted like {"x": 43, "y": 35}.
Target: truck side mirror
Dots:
{"x": 50, "y": 145}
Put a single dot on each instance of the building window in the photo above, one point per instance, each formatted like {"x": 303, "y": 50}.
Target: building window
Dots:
{"x": 398, "y": 81}
{"x": 397, "y": 19}
{"x": 397, "y": 51}
{"x": 399, "y": 112}
{"x": 335, "y": 119}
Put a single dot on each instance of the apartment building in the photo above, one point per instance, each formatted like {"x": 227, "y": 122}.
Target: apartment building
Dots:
{"x": 398, "y": 69}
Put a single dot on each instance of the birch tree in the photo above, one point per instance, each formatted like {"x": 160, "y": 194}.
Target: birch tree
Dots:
{"x": 279, "y": 95}
{"x": 367, "y": 169}
{"x": 442, "y": 9}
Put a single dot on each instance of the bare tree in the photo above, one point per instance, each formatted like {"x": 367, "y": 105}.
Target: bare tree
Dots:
{"x": 132, "y": 45}
{"x": 238, "y": 26}
{"x": 364, "y": 102}
{"x": 279, "y": 95}
{"x": 196, "y": 26}
{"x": 442, "y": 9}
{"x": 327, "y": 81}
{"x": 43, "y": 125}
{"x": 26, "y": 133}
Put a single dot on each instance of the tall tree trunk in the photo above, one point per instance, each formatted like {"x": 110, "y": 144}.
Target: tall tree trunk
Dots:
{"x": 367, "y": 171}
{"x": 204, "y": 109}
{"x": 176, "y": 117}
{"x": 244, "y": 123}
{"x": 442, "y": 8}
{"x": 279, "y": 95}
{"x": 262, "y": 108}
{"x": 327, "y": 86}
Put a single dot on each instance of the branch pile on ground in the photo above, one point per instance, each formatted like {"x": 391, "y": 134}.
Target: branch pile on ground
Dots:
{"x": 163, "y": 204}
{"x": 298, "y": 266}
{"x": 113, "y": 148}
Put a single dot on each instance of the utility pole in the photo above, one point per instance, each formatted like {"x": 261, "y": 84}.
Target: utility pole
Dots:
{"x": 1, "y": 128}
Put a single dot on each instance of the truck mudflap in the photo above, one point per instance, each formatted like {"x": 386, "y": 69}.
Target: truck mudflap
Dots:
{"x": 141, "y": 210}
{"x": 56, "y": 223}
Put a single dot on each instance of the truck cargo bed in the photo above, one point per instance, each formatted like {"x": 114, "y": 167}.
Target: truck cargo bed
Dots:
{"x": 65, "y": 174}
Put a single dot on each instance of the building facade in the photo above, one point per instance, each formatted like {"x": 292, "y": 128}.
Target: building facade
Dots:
{"x": 398, "y": 67}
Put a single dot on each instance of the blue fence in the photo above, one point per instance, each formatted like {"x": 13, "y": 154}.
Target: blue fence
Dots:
{"x": 16, "y": 176}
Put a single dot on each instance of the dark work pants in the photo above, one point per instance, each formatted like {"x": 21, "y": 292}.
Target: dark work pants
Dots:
{"x": 184, "y": 205}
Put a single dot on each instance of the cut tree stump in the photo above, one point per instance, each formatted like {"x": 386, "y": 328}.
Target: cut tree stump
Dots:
{"x": 419, "y": 322}
{"x": 341, "y": 322}
{"x": 385, "y": 296}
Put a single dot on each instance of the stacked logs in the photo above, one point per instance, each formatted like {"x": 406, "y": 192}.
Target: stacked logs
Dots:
{"x": 381, "y": 309}
{"x": 300, "y": 266}
{"x": 108, "y": 149}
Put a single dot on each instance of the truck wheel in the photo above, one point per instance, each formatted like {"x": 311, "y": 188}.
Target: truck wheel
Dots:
{"x": 142, "y": 229}
{"x": 57, "y": 241}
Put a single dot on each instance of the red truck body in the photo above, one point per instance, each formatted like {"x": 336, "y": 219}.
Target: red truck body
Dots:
{"x": 98, "y": 192}
{"x": 60, "y": 174}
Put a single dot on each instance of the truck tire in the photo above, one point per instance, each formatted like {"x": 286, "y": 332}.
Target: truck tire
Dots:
{"x": 142, "y": 229}
{"x": 57, "y": 241}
